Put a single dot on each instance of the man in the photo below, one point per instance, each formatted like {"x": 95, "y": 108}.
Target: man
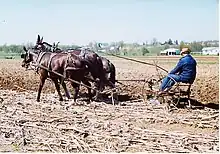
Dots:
{"x": 185, "y": 71}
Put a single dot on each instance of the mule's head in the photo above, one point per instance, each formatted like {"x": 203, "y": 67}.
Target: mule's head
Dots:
{"x": 96, "y": 69}
{"x": 27, "y": 57}
{"x": 42, "y": 46}
{"x": 75, "y": 67}
{"x": 74, "y": 62}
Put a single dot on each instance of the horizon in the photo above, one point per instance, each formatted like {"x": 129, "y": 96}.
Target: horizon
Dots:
{"x": 109, "y": 43}
{"x": 131, "y": 21}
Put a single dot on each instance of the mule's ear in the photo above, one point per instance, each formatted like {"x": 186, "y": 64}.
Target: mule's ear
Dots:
{"x": 53, "y": 44}
{"x": 41, "y": 41}
{"x": 25, "y": 49}
{"x": 38, "y": 38}
{"x": 57, "y": 44}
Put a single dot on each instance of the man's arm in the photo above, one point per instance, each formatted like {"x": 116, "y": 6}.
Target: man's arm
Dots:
{"x": 178, "y": 68}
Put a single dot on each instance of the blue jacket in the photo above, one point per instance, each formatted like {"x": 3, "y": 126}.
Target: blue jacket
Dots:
{"x": 186, "y": 69}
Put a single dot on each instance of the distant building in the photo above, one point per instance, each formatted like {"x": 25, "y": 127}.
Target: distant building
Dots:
{"x": 210, "y": 51}
{"x": 103, "y": 47}
{"x": 170, "y": 52}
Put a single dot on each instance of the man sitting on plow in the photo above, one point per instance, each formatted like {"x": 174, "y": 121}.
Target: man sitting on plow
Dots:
{"x": 184, "y": 72}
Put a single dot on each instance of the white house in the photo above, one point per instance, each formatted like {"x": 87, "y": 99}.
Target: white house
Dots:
{"x": 170, "y": 52}
{"x": 210, "y": 51}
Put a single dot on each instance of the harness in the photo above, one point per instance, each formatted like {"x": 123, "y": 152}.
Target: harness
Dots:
{"x": 50, "y": 60}
{"x": 38, "y": 60}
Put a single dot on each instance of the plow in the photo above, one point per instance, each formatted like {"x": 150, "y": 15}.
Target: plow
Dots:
{"x": 179, "y": 95}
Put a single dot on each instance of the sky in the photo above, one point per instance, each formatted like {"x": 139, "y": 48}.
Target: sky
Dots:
{"x": 83, "y": 21}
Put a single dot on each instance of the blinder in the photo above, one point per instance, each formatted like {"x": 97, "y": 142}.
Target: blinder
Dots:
{"x": 22, "y": 56}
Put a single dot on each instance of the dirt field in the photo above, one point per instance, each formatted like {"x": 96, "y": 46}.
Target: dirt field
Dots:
{"x": 136, "y": 125}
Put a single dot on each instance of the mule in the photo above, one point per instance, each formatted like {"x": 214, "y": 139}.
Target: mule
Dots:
{"x": 56, "y": 62}
{"x": 108, "y": 67}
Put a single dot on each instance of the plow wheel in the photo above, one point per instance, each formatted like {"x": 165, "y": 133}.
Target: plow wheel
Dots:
{"x": 178, "y": 94}
{"x": 143, "y": 91}
{"x": 171, "y": 98}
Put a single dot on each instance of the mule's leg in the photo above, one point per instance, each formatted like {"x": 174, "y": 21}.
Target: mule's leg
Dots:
{"x": 89, "y": 89}
{"x": 97, "y": 88}
{"x": 58, "y": 88}
{"x": 42, "y": 81}
{"x": 76, "y": 88}
{"x": 111, "y": 84}
{"x": 96, "y": 95}
{"x": 65, "y": 88}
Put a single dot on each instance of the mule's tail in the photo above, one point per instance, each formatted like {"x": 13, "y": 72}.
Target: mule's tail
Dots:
{"x": 112, "y": 73}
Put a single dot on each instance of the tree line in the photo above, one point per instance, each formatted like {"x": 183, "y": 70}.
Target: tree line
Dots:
{"x": 195, "y": 46}
{"x": 19, "y": 48}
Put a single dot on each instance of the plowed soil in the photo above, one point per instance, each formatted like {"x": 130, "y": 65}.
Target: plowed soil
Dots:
{"x": 133, "y": 125}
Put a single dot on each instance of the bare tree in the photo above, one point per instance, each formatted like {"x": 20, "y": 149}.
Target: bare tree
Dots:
{"x": 154, "y": 41}
{"x": 121, "y": 44}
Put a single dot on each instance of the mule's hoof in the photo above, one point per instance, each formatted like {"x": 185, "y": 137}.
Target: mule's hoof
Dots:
{"x": 189, "y": 106}
{"x": 38, "y": 100}
{"x": 68, "y": 96}
{"x": 89, "y": 101}
{"x": 61, "y": 99}
{"x": 67, "y": 107}
{"x": 94, "y": 98}
{"x": 1, "y": 100}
